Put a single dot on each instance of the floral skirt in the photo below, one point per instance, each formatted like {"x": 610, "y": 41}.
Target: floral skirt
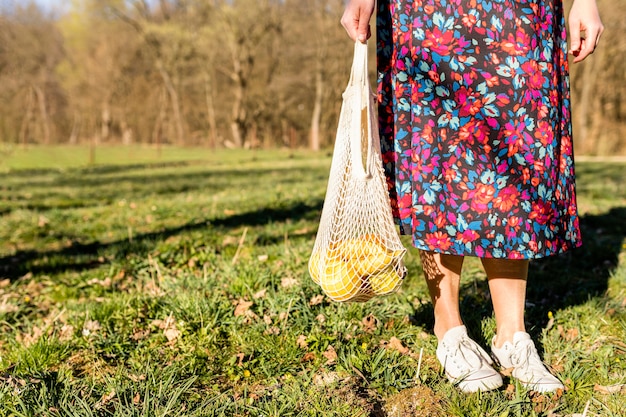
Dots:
{"x": 474, "y": 112}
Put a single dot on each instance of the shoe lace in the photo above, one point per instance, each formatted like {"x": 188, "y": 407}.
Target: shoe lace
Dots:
{"x": 468, "y": 352}
{"x": 525, "y": 356}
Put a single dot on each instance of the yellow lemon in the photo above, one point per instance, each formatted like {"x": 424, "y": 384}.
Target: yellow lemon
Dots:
{"x": 339, "y": 281}
{"x": 314, "y": 267}
{"x": 386, "y": 281}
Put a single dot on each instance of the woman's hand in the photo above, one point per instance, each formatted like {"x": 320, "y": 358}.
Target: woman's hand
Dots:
{"x": 356, "y": 19}
{"x": 584, "y": 16}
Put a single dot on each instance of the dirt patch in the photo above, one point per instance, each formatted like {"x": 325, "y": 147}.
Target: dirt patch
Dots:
{"x": 419, "y": 401}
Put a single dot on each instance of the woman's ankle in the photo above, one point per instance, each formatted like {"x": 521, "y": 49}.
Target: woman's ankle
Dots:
{"x": 441, "y": 328}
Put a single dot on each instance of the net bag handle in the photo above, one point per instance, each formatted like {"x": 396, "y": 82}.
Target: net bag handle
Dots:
{"x": 361, "y": 95}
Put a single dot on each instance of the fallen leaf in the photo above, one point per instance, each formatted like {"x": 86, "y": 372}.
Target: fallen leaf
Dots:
{"x": 5, "y": 283}
{"x": 91, "y": 326}
{"x": 272, "y": 331}
{"x": 263, "y": 258}
{"x": 66, "y": 333}
{"x": 260, "y": 294}
{"x": 136, "y": 399}
{"x": 43, "y": 221}
{"x": 370, "y": 323}
{"x": 610, "y": 389}
{"x": 282, "y": 316}
{"x": 140, "y": 334}
{"x": 330, "y": 354}
{"x": 240, "y": 357}
{"x": 171, "y": 334}
{"x": 242, "y": 307}
{"x": 288, "y": 282}
{"x": 301, "y": 342}
{"x": 396, "y": 344}
{"x": 325, "y": 378}
{"x": 316, "y": 300}
{"x": 308, "y": 357}
{"x": 320, "y": 318}
{"x": 267, "y": 319}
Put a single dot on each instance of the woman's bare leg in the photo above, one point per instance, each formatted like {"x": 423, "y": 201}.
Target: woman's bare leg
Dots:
{"x": 507, "y": 283}
{"x": 443, "y": 275}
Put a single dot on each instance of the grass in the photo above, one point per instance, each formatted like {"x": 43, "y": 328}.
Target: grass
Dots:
{"x": 145, "y": 286}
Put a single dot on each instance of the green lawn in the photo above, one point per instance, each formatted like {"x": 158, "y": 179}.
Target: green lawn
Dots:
{"x": 141, "y": 285}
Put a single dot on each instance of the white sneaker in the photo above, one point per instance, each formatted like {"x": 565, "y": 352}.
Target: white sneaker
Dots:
{"x": 466, "y": 363}
{"x": 522, "y": 356}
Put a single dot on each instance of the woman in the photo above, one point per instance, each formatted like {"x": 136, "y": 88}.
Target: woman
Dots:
{"x": 474, "y": 112}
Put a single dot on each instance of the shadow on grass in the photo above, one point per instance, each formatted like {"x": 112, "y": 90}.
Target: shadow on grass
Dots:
{"x": 555, "y": 282}
{"x": 98, "y": 190}
{"x": 79, "y": 257}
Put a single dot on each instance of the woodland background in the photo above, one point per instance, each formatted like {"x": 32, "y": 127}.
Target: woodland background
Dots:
{"x": 222, "y": 73}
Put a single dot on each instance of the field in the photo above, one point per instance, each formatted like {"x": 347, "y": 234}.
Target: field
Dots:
{"x": 177, "y": 286}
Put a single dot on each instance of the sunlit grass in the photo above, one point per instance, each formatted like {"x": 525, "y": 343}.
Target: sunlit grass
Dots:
{"x": 142, "y": 287}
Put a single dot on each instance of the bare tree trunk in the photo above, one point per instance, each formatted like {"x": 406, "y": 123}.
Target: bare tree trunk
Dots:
{"x": 171, "y": 90}
{"x": 317, "y": 110}
{"x": 45, "y": 120}
{"x": 238, "y": 123}
{"x": 75, "y": 129}
{"x": 106, "y": 120}
{"x": 27, "y": 118}
{"x": 158, "y": 125}
{"x": 210, "y": 107}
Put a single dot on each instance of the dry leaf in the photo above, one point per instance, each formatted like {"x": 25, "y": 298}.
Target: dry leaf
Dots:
{"x": 240, "y": 357}
{"x": 320, "y": 318}
{"x": 91, "y": 326}
{"x": 610, "y": 389}
{"x": 6, "y": 307}
{"x": 370, "y": 323}
{"x": 43, "y": 221}
{"x": 316, "y": 300}
{"x": 171, "y": 334}
{"x": 282, "y": 316}
{"x": 308, "y": 357}
{"x": 263, "y": 258}
{"x": 242, "y": 307}
{"x": 66, "y": 333}
{"x": 396, "y": 344}
{"x": 106, "y": 398}
{"x": 301, "y": 342}
{"x": 272, "y": 331}
{"x": 260, "y": 294}
{"x": 288, "y": 282}
{"x": 330, "y": 354}
{"x": 572, "y": 334}
{"x": 267, "y": 319}
{"x": 136, "y": 399}
{"x": 5, "y": 283}
{"x": 325, "y": 378}
{"x": 153, "y": 289}
{"x": 140, "y": 334}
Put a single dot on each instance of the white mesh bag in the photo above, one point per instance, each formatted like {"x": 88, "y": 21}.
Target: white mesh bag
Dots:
{"x": 357, "y": 253}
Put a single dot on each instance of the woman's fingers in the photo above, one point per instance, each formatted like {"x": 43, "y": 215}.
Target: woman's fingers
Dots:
{"x": 356, "y": 18}
{"x": 584, "y": 17}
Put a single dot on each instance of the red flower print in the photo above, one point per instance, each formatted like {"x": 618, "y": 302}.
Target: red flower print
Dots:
{"x": 541, "y": 212}
{"x": 438, "y": 240}
{"x": 535, "y": 78}
{"x": 438, "y": 41}
{"x": 517, "y": 44}
{"x": 480, "y": 197}
{"x": 470, "y": 102}
{"x": 467, "y": 236}
{"x": 469, "y": 20}
{"x": 507, "y": 198}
